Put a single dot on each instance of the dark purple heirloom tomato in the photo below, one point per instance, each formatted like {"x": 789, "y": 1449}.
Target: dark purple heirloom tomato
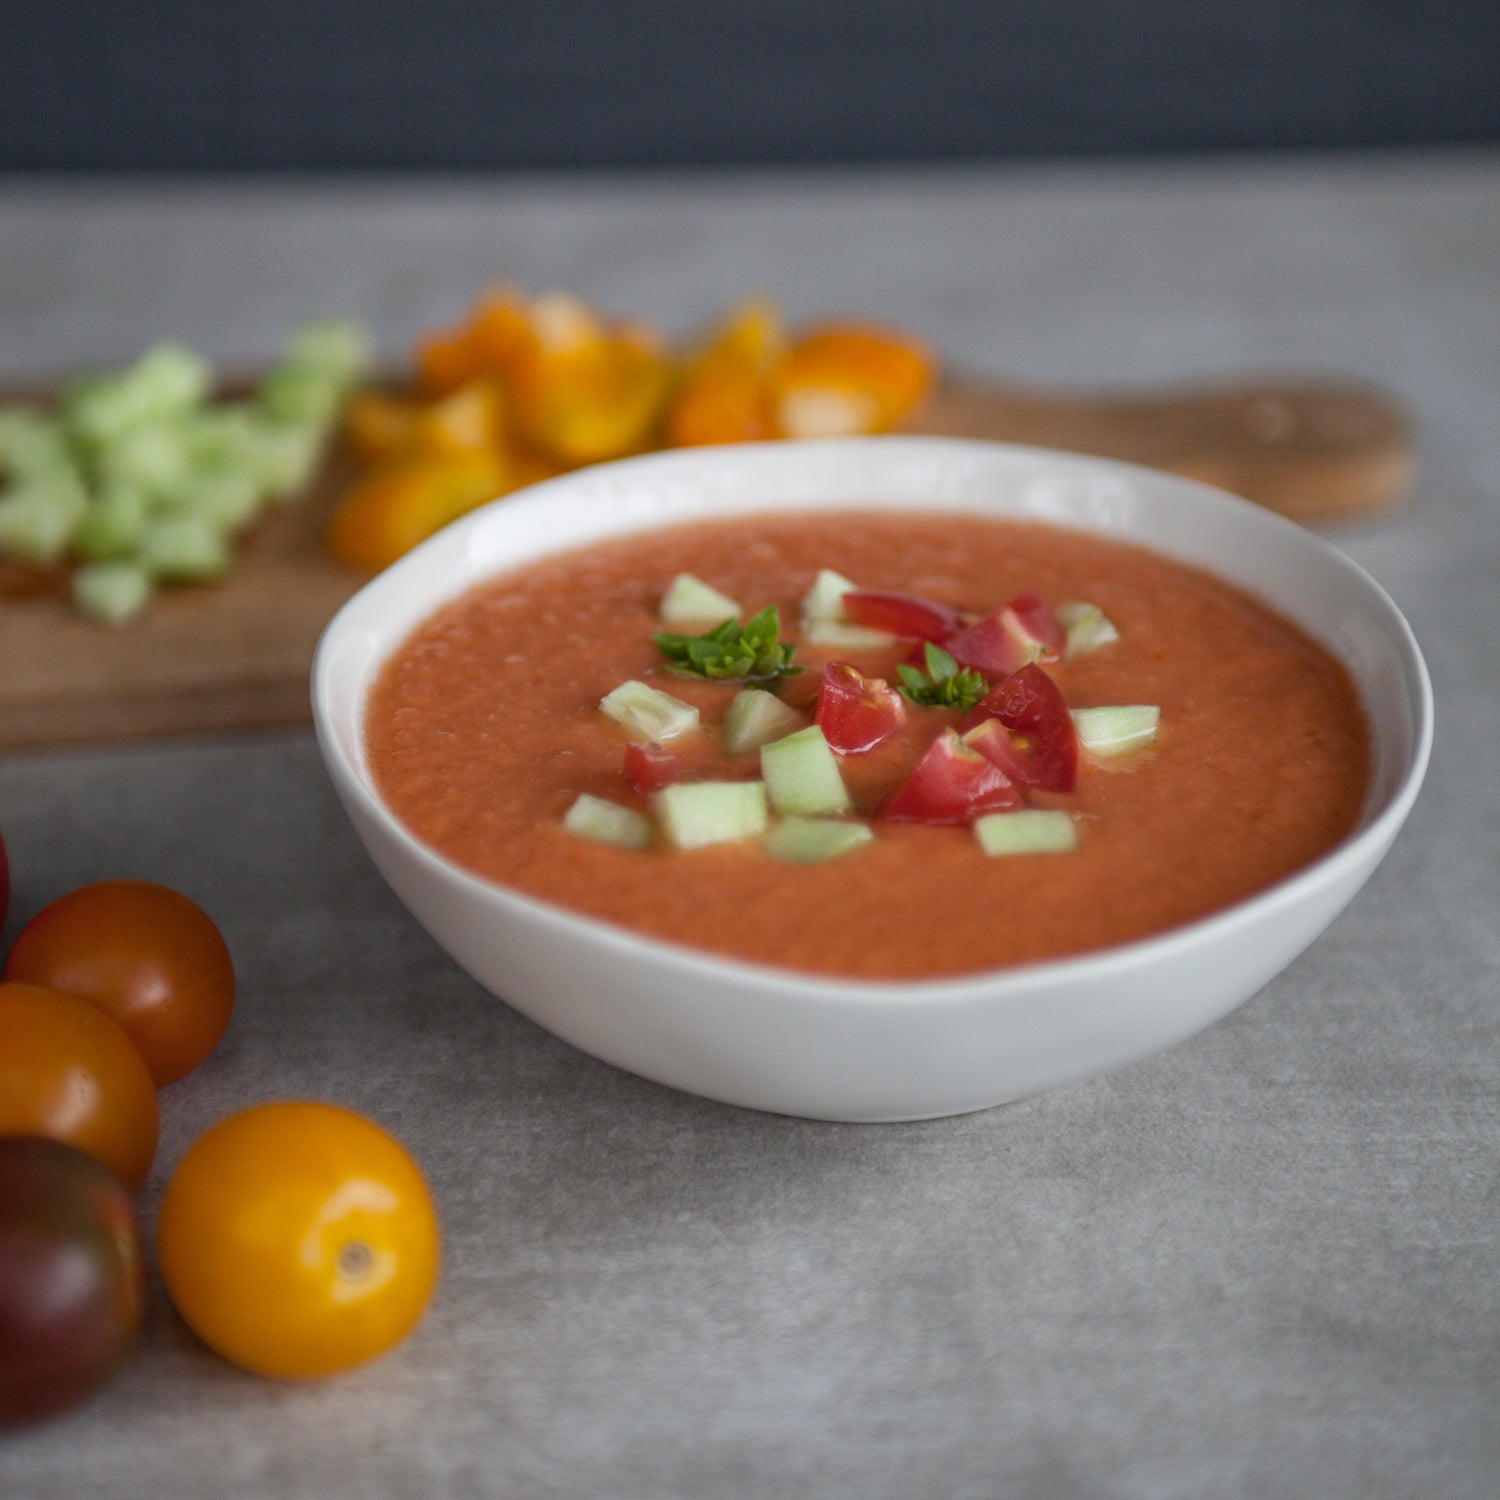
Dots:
{"x": 71, "y": 1279}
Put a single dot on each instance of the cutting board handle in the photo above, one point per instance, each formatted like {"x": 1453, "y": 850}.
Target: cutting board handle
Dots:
{"x": 1314, "y": 450}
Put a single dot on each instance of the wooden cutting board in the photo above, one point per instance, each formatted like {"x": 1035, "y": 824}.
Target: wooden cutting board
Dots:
{"x": 237, "y": 655}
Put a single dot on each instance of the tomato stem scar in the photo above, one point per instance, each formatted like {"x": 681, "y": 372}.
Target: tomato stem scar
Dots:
{"x": 354, "y": 1260}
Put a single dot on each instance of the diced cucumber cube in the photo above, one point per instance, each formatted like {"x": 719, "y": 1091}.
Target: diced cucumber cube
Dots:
{"x": 111, "y": 592}
{"x": 755, "y": 718}
{"x": 112, "y": 524}
{"x": 1116, "y": 730}
{"x": 810, "y": 840}
{"x": 229, "y": 498}
{"x": 646, "y": 713}
{"x": 1087, "y": 626}
{"x": 1029, "y": 831}
{"x": 39, "y": 516}
{"x": 183, "y": 547}
{"x": 32, "y": 445}
{"x": 151, "y": 456}
{"x": 594, "y": 818}
{"x": 841, "y": 637}
{"x": 689, "y": 599}
{"x": 286, "y": 455}
{"x": 695, "y": 813}
{"x": 220, "y": 437}
{"x": 338, "y": 349}
{"x": 300, "y": 393}
{"x": 825, "y": 599}
{"x": 802, "y": 775}
{"x": 164, "y": 382}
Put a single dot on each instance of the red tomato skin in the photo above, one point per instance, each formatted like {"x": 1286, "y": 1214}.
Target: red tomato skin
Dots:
{"x": 649, "y": 767}
{"x": 856, "y": 712}
{"x": 72, "y": 1285}
{"x": 988, "y": 646}
{"x": 906, "y": 615}
{"x": 951, "y": 784}
{"x": 147, "y": 956}
{"x": 998, "y": 746}
{"x": 1034, "y": 741}
{"x": 1038, "y": 621}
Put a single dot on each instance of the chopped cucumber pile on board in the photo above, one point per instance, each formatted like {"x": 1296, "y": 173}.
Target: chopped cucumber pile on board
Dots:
{"x": 139, "y": 478}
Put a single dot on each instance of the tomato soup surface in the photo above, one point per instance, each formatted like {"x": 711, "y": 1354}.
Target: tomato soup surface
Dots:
{"x": 484, "y": 727}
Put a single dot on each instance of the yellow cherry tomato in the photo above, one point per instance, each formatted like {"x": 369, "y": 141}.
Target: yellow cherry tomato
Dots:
{"x": 298, "y": 1240}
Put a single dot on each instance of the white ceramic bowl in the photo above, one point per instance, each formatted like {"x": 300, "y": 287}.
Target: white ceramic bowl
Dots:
{"x": 858, "y": 1050}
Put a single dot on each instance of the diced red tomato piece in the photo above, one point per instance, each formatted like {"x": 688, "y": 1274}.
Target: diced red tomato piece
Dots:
{"x": 1038, "y": 622}
{"x": 1024, "y": 728}
{"x": 649, "y": 767}
{"x": 951, "y": 784}
{"x": 1025, "y": 630}
{"x": 856, "y": 712}
{"x": 906, "y": 615}
{"x": 988, "y": 646}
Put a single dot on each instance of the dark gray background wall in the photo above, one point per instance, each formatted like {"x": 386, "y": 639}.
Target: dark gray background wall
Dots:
{"x": 337, "y": 84}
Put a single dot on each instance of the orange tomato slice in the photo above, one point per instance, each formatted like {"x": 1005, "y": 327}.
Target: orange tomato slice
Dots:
{"x": 377, "y": 425}
{"x": 841, "y": 379}
{"x": 721, "y": 397}
{"x": 585, "y": 392}
{"x": 392, "y": 508}
{"x": 469, "y": 420}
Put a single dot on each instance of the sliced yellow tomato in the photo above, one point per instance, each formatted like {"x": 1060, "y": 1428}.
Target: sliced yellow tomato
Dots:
{"x": 445, "y": 359}
{"x": 377, "y": 426}
{"x": 585, "y": 393}
{"x": 468, "y": 420}
{"x": 721, "y": 397}
{"x": 499, "y": 331}
{"x": 840, "y": 379}
{"x": 392, "y": 508}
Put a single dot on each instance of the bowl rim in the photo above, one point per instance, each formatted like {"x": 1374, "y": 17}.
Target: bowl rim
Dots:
{"x": 1354, "y": 858}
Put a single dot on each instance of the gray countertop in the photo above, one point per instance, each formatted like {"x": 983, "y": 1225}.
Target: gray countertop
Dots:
{"x": 1264, "y": 1263}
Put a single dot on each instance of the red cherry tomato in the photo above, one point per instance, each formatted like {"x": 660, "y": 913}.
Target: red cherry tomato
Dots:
{"x": 856, "y": 712}
{"x": 648, "y": 767}
{"x": 71, "y": 1284}
{"x": 906, "y": 615}
{"x": 68, "y": 1072}
{"x": 145, "y": 955}
{"x": 951, "y": 784}
{"x": 1023, "y": 726}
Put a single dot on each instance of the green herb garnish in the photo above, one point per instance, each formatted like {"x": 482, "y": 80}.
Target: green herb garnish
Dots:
{"x": 944, "y": 684}
{"x": 743, "y": 653}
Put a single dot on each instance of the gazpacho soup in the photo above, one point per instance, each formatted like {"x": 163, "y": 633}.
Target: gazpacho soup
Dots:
{"x": 870, "y": 744}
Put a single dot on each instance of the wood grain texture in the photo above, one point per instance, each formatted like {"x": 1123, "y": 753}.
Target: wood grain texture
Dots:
{"x": 237, "y": 655}
{"x": 1314, "y": 450}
